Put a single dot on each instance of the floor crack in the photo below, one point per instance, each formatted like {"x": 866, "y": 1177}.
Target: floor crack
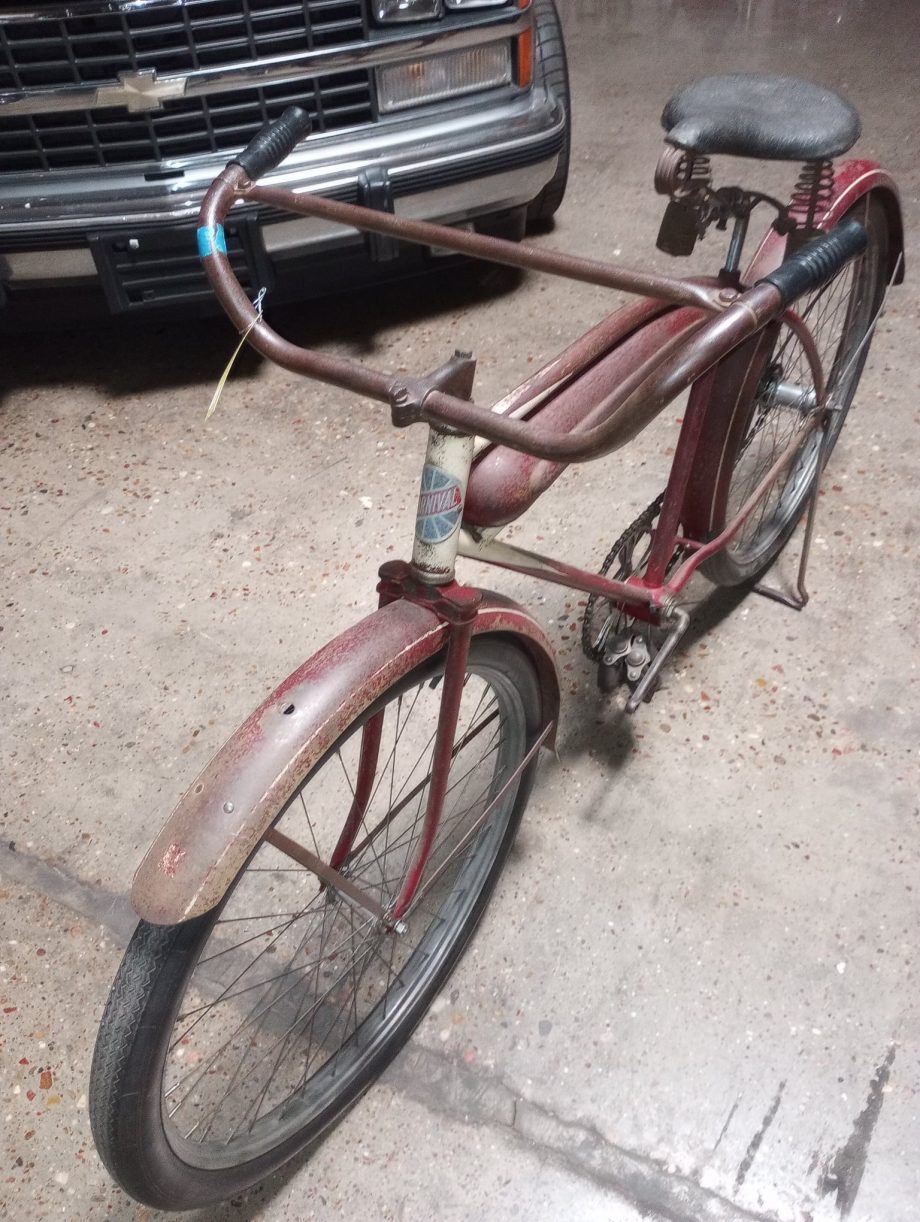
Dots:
{"x": 94, "y": 903}
{"x": 454, "y": 1090}
{"x": 433, "y": 1079}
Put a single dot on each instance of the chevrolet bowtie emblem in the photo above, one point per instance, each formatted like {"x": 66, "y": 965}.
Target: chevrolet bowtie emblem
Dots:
{"x": 140, "y": 90}
{"x": 136, "y": 91}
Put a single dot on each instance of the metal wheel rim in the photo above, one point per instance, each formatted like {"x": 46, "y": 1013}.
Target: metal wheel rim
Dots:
{"x": 778, "y": 512}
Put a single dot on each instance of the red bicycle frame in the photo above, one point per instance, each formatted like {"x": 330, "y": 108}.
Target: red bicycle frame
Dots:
{"x": 697, "y": 335}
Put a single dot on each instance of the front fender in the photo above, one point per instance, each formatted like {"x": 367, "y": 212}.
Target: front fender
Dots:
{"x": 852, "y": 180}
{"x": 230, "y": 806}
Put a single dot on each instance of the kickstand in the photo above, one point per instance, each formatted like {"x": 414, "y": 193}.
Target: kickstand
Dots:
{"x": 798, "y": 600}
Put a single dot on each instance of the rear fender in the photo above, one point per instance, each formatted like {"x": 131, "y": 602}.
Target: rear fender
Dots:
{"x": 852, "y": 180}
{"x": 230, "y": 806}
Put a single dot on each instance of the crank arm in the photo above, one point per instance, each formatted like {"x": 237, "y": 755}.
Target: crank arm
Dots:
{"x": 680, "y": 623}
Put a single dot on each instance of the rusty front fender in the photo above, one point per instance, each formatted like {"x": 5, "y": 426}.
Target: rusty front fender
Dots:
{"x": 227, "y": 810}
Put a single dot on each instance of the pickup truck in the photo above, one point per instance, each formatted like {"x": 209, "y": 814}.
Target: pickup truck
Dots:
{"x": 116, "y": 114}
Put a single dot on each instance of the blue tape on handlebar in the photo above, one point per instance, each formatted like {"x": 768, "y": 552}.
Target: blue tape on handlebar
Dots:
{"x": 210, "y": 239}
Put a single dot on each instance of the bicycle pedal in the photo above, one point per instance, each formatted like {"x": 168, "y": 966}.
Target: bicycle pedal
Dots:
{"x": 610, "y": 679}
{"x": 679, "y": 622}
{"x": 624, "y": 664}
{"x": 609, "y": 676}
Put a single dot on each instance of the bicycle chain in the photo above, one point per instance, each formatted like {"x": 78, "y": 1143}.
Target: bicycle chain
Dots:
{"x": 630, "y": 536}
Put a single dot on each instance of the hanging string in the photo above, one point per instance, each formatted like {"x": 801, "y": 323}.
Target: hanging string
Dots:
{"x": 219, "y": 390}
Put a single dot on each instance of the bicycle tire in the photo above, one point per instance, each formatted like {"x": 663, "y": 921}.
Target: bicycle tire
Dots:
{"x": 764, "y": 415}
{"x": 553, "y": 70}
{"x": 339, "y": 1024}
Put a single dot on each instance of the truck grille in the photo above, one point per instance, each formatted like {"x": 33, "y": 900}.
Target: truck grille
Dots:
{"x": 88, "y": 49}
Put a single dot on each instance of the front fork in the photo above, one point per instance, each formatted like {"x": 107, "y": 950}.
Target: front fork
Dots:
{"x": 429, "y": 581}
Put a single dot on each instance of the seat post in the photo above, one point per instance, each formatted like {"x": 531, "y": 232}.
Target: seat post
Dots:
{"x": 730, "y": 272}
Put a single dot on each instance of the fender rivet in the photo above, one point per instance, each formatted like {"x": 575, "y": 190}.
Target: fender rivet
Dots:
{"x": 228, "y": 808}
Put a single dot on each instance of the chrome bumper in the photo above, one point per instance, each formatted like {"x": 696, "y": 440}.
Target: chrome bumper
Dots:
{"x": 472, "y": 160}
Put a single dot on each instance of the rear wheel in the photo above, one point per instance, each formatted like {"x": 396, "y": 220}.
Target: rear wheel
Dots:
{"x": 231, "y": 1041}
{"x": 780, "y": 396}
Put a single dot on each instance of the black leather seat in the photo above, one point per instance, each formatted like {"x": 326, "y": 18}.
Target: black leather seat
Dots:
{"x": 749, "y": 114}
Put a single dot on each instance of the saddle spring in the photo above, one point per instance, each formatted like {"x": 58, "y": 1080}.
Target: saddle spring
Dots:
{"x": 680, "y": 173}
{"x": 812, "y": 193}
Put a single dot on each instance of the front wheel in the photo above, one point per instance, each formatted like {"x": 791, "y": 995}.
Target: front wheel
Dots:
{"x": 772, "y": 400}
{"x": 233, "y": 1040}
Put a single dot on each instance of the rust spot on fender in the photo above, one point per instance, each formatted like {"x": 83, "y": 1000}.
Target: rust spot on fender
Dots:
{"x": 171, "y": 859}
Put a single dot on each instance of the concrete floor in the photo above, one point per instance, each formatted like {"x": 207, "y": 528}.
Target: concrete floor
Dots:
{"x": 695, "y": 994}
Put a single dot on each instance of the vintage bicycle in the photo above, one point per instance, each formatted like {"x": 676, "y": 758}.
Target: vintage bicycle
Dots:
{"x": 314, "y": 888}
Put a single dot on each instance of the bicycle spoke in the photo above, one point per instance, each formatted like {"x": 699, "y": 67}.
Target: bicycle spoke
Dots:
{"x": 306, "y": 813}
{"x": 454, "y": 816}
{"x": 252, "y": 1014}
{"x": 243, "y": 1026}
{"x": 237, "y": 978}
{"x": 287, "y": 1004}
{"x": 400, "y": 805}
{"x": 225, "y": 997}
{"x": 840, "y": 316}
{"x": 408, "y": 832}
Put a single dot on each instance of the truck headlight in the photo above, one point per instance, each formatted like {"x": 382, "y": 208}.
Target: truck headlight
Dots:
{"x": 443, "y": 76}
{"x": 424, "y": 10}
{"x": 407, "y": 10}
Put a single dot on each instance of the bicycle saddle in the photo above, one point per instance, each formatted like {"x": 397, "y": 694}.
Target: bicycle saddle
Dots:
{"x": 751, "y": 114}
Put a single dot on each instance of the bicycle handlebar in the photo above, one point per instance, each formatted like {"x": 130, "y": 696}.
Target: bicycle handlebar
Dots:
{"x": 818, "y": 261}
{"x": 273, "y": 142}
{"x": 638, "y": 400}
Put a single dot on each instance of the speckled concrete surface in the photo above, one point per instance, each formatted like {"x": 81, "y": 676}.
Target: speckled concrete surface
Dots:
{"x": 695, "y": 994}
{"x": 50, "y": 960}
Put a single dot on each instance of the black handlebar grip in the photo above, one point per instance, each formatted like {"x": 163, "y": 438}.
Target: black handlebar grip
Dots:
{"x": 272, "y": 143}
{"x": 817, "y": 261}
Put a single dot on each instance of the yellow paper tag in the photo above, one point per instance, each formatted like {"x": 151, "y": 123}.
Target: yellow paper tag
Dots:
{"x": 219, "y": 389}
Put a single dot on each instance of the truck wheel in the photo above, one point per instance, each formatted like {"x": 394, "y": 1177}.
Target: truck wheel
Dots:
{"x": 552, "y": 69}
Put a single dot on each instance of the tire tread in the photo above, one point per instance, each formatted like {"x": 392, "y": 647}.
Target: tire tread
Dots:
{"x": 553, "y": 66}
{"x": 121, "y": 1020}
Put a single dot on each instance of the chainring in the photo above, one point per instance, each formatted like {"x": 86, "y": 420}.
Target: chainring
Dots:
{"x": 630, "y": 554}
{"x": 609, "y": 636}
